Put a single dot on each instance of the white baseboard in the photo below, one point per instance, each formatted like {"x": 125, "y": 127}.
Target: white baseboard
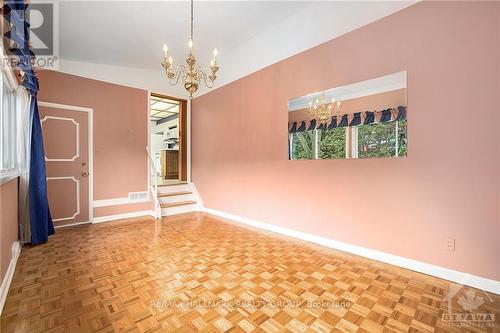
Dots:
{"x": 70, "y": 225}
{"x": 4, "y": 288}
{"x": 197, "y": 195}
{"x": 108, "y": 218}
{"x": 467, "y": 279}
{"x": 118, "y": 201}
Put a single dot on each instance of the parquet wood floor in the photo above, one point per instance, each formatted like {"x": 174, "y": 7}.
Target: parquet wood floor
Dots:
{"x": 198, "y": 273}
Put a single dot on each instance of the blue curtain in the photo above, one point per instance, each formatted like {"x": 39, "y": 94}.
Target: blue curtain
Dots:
{"x": 40, "y": 218}
{"x": 14, "y": 12}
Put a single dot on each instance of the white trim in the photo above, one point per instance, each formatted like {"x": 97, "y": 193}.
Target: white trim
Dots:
{"x": 348, "y": 145}
{"x": 354, "y": 141}
{"x": 7, "y": 70}
{"x": 197, "y": 196}
{"x": 65, "y": 107}
{"x": 77, "y": 133}
{"x": 148, "y": 171}
{"x": 101, "y": 219}
{"x": 8, "y": 122}
{"x": 489, "y": 285}
{"x": 118, "y": 201}
{"x": 9, "y": 274}
{"x": 7, "y": 176}
{"x": 90, "y": 141}
{"x": 71, "y": 224}
{"x": 77, "y": 182}
{"x": 188, "y": 137}
{"x": 315, "y": 145}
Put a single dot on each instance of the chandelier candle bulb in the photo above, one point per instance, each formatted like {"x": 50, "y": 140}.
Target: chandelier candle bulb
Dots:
{"x": 215, "y": 55}
{"x": 190, "y": 44}
{"x": 165, "y": 50}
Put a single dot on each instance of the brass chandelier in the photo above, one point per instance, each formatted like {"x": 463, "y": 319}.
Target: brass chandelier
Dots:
{"x": 322, "y": 110}
{"x": 192, "y": 75}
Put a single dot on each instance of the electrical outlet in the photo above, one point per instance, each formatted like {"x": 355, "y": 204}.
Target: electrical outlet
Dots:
{"x": 450, "y": 244}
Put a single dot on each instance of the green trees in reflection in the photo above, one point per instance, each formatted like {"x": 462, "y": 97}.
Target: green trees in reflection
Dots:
{"x": 373, "y": 140}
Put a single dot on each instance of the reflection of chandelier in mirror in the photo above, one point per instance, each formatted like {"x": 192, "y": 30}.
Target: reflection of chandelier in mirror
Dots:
{"x": 323, "y": 111}
{"x": 192, "y": 75}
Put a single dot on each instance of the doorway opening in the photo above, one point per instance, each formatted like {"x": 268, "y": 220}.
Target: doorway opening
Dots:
{"x": 168, "y": 123}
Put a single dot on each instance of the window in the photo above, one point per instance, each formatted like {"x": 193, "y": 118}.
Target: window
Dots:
{"x": 381, "y": 140}
{"x": 7, "y": 127}
{"x": 363, "y": 141}
{"x": 318, "y": 144}
{"x": 332, "y": 143}
{"x": 301, "y": 145}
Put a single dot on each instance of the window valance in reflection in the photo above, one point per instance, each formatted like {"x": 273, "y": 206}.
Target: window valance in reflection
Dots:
{"x": 354, "y": 119}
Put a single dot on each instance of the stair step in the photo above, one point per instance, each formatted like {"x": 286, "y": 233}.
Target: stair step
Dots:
{"x": 173, "y": 193}
{"x": 175, "y": 204}
{"x": 173, "y": 184}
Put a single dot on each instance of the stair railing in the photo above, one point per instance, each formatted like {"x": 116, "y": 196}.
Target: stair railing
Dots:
{"x": 153, "y": 171}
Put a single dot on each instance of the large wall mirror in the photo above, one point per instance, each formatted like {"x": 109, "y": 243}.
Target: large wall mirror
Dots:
{"x": 361, "y": 120}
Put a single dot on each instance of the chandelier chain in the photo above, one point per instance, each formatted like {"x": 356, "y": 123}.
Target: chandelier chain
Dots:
{"x": 192, "y": 11}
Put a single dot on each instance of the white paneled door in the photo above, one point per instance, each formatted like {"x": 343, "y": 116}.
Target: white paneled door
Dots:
{"x": 65, "y": 137}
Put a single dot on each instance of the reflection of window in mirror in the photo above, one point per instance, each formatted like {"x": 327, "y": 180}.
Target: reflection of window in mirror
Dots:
{"x": 362, "y": 120}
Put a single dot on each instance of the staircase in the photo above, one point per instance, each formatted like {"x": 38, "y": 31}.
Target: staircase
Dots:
{"x": 177, "y": 198}
{"x": 174, "y": 198}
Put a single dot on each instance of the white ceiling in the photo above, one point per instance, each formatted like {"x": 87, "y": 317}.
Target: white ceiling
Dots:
{"x": 127, "y": 36}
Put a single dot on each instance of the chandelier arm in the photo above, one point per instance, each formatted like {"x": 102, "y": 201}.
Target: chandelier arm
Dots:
{"x": 202, "y": 76}
{"x": 180, "y": 73}
{"x": 181, "y": 68}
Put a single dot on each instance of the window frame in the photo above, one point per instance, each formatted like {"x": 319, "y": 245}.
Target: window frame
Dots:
{"x": 9, "y": 173}
{"x": 351, "y": 143}
{"x": 291, "y": 141}
{"x": 355, "y": 144}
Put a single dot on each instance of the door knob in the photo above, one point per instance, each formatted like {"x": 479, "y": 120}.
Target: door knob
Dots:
{"x": 85, "y": 174}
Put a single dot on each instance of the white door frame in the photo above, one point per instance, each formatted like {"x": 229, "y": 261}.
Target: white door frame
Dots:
{"x": 90, "y": 139}
{"x": 188, "y": 136}
{"x": 148, "y": 173}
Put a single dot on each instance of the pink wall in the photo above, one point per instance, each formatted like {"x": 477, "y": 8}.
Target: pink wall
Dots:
{"x": 8, "y": 223}
{"x": 120, "y": 132}
{"x": 447, "y": 187}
